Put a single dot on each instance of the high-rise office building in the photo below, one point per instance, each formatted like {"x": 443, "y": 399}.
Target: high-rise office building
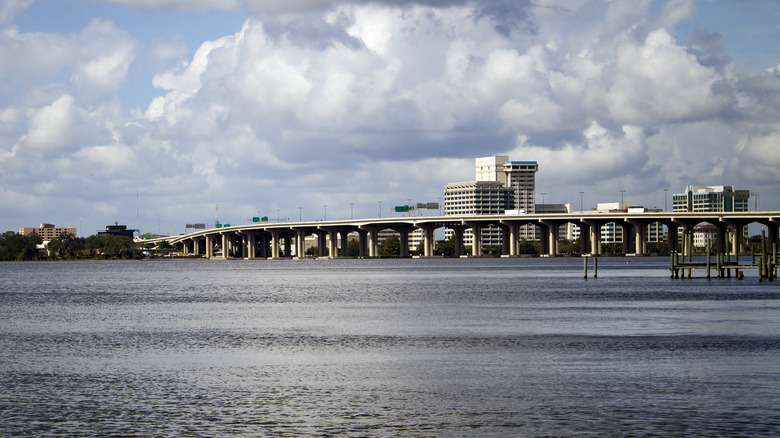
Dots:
{"x": 499, "y": 185}
{"x": 711, "y": 198}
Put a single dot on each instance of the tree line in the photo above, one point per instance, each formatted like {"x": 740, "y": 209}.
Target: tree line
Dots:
{"x": 14, "y": 246}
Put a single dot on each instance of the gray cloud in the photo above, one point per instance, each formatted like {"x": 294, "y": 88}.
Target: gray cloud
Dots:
{"x": 332, "y": 103}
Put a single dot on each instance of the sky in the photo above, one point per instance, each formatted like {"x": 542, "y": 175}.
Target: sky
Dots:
{"x": 151, "y": 113}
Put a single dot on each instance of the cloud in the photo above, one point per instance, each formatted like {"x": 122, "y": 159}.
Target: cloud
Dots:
{"x": 315, "y": 102}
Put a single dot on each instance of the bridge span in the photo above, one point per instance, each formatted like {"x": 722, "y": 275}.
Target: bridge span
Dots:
{"x": 270, "y": 240}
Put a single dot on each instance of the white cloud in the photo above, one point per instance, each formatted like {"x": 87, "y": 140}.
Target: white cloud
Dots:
{"x": 52, "y": 126}
{"x": 360, "y": 101}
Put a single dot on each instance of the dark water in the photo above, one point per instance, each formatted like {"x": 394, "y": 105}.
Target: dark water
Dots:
{"x": 471, "y": 347}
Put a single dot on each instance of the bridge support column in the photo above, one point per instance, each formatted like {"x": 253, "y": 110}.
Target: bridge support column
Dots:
{"x": 721, "y": 231}
{"x": 322, "y": 243}
{"x": 457, "y": 239}
{"x": 640, "y": 238}
{"x": 428, "y": 240}
{"x": 251, "y": 246}
{"x": 362, "y": 243}
{"x": 671, "y": 237}
{"x": 275, "y": 244}
{"x": 626, "y": 236}
{"x": 287, "y": 240}
{"x": 344, "y": 242}
{"x": 476, "y": 239}
{"x": 225, "y": 247}
{"x": 373, "y": 243}
{"x": 333, "y": 243}
{"x": 300, "y": 244}
{"x": 595, "y": 239}
{"x": 209, "y": 246}
{"x": 511, "y": 238}
{"x": 584, "y": 238}
{"x": 404, "y": 237}
{"x": 544, "y": 241}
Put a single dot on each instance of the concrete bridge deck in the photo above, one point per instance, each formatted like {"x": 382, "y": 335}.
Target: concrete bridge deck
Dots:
{"x": 268, "y": 240}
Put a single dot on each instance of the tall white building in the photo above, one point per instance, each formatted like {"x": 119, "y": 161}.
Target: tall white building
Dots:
{"x": 499, "y": 185}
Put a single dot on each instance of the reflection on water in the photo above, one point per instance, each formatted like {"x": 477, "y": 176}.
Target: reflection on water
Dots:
{"x": 501, "y": 347}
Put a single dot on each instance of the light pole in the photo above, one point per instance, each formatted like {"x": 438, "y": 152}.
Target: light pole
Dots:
{"x": 581, "y": 193}
{"x": 300, "y": 214}
{"x": 380, "y": 208}
{"x": 351, "y": 210}
{"x": 277, "y": 215}
{"x": 543, "y": 193}
{"x": 666, "y": 193}
{"x": 441, "y": 206}
{"x": 621, "y": 199}
{"x": 324, "y": 212}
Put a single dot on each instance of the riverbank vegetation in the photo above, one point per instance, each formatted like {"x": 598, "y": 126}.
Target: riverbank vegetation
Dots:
{"x": 14, "y": 246}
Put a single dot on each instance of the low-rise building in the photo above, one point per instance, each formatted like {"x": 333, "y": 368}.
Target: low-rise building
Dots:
{"x": 48, "y": 232}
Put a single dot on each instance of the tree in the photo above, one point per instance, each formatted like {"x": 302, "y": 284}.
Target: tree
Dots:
{"x": 353, "y": 248}
{"x": 391, "y": 247}
{"x": 446, "y": 247}
{"x": 67, "y": 244}
{"x": 14, "y": 246}
{"x": 526, "y": 247}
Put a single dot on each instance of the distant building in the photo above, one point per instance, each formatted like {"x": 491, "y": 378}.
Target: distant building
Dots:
{"x": 500, "y": 185}
{"x": 48, "y": 232}
{"x": 612, "y": 233}
{"x": 116, "y": 230}
{"x": 711, "y": 198}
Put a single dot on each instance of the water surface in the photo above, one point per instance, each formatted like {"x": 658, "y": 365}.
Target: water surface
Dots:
{"x": 439, "y": 347}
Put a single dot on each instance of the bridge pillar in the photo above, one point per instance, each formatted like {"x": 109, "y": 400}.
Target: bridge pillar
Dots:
{"x": 721, "y": 231}
{"x": 457, "y": 239}
{"x": 551, "y": 236}
{"x": 428, "y": 242}
{"x": 209, "y": 246}
{"x": 626, "y": 236}
{"x": 362, "y": 243}
{"x": 251, "y": 246}
{"x": 300, "y": 244}
{"x": 287, "y": 240}
{"x": 404, "y": 237}
{"x": 333, "y": 243}
{"x": 322, "y": 243}
{"x": 510, "y": 239}
{"x": 476, "y": 239}
{"x": 640, "y": 238}
{"x": 584, "y": 237}
{"x": 275, "y": 244}
{"x": 344, "y": 242}
{"x": 772, "y": 235}
{"x": 594, "y": 237}
{"x": 373, "y": 243}
{"x": 671, "y": 237}
{"x": 224, "y": 245}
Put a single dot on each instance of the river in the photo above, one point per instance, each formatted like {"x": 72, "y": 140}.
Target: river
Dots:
{"x": 405, "y": 347}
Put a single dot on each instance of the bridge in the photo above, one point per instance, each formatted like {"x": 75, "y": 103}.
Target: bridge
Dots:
{"x": 271, "y": 240}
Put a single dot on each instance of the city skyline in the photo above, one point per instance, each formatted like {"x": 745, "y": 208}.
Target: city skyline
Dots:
{"x": 151, "y": 113}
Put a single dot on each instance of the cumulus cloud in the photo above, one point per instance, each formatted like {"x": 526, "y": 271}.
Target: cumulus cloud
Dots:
{"x": 317, "y": 102}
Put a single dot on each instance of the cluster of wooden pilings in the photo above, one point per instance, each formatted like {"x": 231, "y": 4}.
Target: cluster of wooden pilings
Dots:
{"x": 766, "y": 264}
